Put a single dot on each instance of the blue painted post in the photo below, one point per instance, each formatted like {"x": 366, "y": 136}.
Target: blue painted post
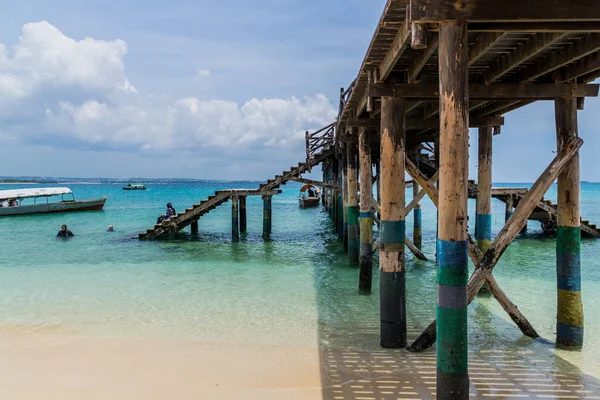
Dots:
{"x": 392, "y": 280}
{"x": 451, "y": 310}
{"x": 569, "y": 329}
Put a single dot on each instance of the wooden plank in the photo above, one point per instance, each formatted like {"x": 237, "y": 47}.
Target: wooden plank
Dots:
{"x": 584, "y": 47}
{"x": 497, "y": 91}
{"x": 399, "y": 45}
{"x": 420, "y": 123}
{"x": 521, "y": 54}
{"x": 581, "y": 68}
{"x": 534, "y": 27}
{"x": 482, "y": 44}
{"x": 423, "y": 57}
{"x": 504, "y": 11}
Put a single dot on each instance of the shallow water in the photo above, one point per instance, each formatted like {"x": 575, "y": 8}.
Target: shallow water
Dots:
{"x": 296, "y": 290}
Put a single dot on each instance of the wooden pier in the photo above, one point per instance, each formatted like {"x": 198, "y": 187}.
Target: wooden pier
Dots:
{"x": 434, "y": 69}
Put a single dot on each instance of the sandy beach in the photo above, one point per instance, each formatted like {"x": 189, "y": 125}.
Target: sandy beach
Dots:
{"x": 64, "y": 366}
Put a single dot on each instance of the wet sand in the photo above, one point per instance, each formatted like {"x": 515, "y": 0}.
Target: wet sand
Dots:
{"x": 65, "y": 366}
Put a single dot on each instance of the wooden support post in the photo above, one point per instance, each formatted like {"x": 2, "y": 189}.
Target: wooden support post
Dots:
{"x": 267, "y": 217}
{"x": 507, "y": 234}
{"x": 417, "y": 218}
{"x": 235, "y": 227}
{"x": 452, "y": 245}
{"x": 339, "y": 205}
{"x": 509, "y": 208}
{"x": 194, "y": 227}
{"x": 243, "y": 224}
{"x": 352, "y": 204}
{"x": 378, "y": 182}
{"x": 345, "y": 194}
{"x": 569, "y": 329}
{"x": 483, "y": 220}
{"x": 418, "y": 39}
{"x": 366, "y": 212}
{"x": 392, "y": 280}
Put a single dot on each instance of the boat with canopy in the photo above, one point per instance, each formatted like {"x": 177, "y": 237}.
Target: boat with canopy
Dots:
{"x": 43, "y": 201}
{"x": 309, "y": 196}
{"x": 134, "y": 186}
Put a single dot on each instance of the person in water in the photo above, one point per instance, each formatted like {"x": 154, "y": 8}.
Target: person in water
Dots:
{"x": 64, "y": 232}
{"x": 311, "y": 192}
{"x": 169, "y": 214}
{"x": 110, "y": 228}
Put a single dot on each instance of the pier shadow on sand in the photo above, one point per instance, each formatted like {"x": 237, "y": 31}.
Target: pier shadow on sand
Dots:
{"x": 503, "y": 364}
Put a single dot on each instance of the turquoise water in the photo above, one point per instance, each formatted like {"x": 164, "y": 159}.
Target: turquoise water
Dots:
{"x": 297, "y": 289}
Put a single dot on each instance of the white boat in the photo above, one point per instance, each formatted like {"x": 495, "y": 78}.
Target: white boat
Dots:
{"x": 11, "y": 201}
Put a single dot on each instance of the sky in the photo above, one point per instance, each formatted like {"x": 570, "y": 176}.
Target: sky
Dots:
{"x": 203, "y": 89}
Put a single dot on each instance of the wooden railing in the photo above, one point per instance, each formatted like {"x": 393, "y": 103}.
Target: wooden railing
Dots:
{"x": 319, "y": 141}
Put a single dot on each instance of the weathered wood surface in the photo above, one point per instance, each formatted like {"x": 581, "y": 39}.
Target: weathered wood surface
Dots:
{"x": 420, "y": 123}
{"x": 494, "y": 10}
{"x": 496, "y": 91}
{"x": 513, "y": 226}
{"x": 407, "y": 242}
{"x": 315, "y": 183}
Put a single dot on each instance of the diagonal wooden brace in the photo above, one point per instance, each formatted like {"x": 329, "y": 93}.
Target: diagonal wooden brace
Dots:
{"x": 485, "y": 264}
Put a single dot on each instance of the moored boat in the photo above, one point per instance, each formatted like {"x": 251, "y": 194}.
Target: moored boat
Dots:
{"x": 309, "y": 196}
{"x": 14, "y": 202}
{"x": 134, "y": 187}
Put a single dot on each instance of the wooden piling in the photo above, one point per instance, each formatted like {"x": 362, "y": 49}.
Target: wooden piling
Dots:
{"x": 267, "y": 217}
{"x": 194, "y": 227}
{"x": 417, "y": 218}
{"x": 243, "y": 224}
{"x": 509, "y": 208}
{"x": 352, "y": 204}
{"x": 569, "y": 329}
{"x": 235, "y": 227}
{"x": 339, "y": 205}
{"x": 345, "y": 195}
{"x": 452, "y": 246}
{"x": 366, "y": 213}
{"x": 392, "y": 289}
{"x": 483, "y": 220}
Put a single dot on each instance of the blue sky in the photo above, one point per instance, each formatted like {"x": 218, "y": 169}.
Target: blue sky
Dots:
{"x": 201, "y": 89}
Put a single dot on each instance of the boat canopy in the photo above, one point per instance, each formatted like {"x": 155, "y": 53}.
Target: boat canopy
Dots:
{"x": 306, "y": 187}
{"x": 33, "y": 192}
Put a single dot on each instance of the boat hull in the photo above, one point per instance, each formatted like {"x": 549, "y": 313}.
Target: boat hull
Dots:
{"x": 306, "y": 202}
{"x": 47, "y": 208}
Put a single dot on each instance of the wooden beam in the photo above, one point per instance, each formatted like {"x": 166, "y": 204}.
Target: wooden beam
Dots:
{"x": 316, "y": 183}
{"x": 420, "y": 123}
{"x": 580, "y": 49}
{"x": 504, "y": 11}
{"x": 534, "y": 27}
{"x": 581, "y": 68}
{"x": 399, "y": 45}
{"x": 498, "y": 91}
{"x": 521, "y": 54}
{"x": 423, "y": 57}
{"x": 482, "y": 44}
{"x": 418, "y": 36}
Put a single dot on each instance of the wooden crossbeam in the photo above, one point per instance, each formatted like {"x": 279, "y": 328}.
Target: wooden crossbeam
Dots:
{"x": 535, "y": 27}
{"x": 498, "y": 91}
{"x": 504, "y": 10}
{"x": 511, "y": 229}
{"x": 398, "y": 47}
{"x": 578, "y": 50}
{"x": 423, "y": 57}
{"x": 420, "y": 123}
{"x": 521, "y": 54}
{"x": 476, "y": 256}
{"x": 316, "y": 183}
{"x": 482, "y": 44}
{"x": 583, "y": 67}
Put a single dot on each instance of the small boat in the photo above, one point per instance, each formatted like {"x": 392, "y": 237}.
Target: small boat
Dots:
{"x": 134, "y": 187}
{"x": 309, "y": 196}
{"x": 12, "y": 201}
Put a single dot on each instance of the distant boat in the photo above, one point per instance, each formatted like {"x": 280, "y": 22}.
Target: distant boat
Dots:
{"x": 11, "y": 202}
{"x": 307, "y": 199}
{"x": 134, "y": 187}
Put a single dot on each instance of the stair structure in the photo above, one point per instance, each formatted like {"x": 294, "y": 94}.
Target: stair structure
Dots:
{"x": 220, "y": 197}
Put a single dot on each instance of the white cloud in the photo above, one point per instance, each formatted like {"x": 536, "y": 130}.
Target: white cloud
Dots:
{"x": 67, "y": 92}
